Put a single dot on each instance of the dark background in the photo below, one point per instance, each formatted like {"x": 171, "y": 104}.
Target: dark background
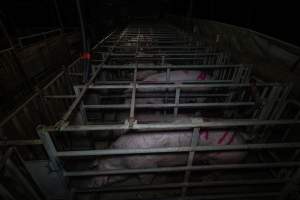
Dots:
{"x": 274, "y": 18}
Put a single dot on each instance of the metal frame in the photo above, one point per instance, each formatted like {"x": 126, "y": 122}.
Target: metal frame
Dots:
{"x": 268, "y": 113}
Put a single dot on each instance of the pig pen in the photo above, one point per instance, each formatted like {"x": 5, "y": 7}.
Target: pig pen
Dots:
{"x": 164, "y": 115}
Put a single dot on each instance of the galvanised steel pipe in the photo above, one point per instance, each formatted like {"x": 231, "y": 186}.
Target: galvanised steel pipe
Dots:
{"x": 115, "y": 152}
{"x": 195, "y": 123}
{"x": 179, "y": 185}
{"x": 247, "y": 166}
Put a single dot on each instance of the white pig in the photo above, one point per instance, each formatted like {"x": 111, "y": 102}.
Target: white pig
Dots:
{"x": 177, "y": 76}
{"x": 167, "y": 139}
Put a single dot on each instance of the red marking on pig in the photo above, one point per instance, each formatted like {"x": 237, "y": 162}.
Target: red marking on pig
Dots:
{"x": 223, "y": 137}
{"x": 231, "y": 139}
{"x": 204, "y": 134}
{"x": 201, "y": 76}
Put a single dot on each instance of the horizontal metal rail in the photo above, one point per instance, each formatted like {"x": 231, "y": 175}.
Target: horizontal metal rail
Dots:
{"x": 166, "y": 54}
{"x": 6, "y": 50}
{"x": 195, "y": 123}
{"x": 213, "y": 148}
{"x": 60, "y": 96}
{"x": 179, "y": 85}
{"x": 166, "y": 58}
{"x": 247, "y": 166}
{"x": 143, "y": 66}
{"x": 156, "y": 47}
{"x": 179, "y": 185}
{"x": 159, "y": 95}
{"x": 224, "y": 81}
{"x": 20, "y": 142}
{"x": 172, "y": 105}
{"x": 227, "y": 196}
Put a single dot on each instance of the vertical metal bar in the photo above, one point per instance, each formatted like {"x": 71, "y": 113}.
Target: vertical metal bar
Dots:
{"x": 194, "y": 143}
{"x": 168, "y": 73}
{"x": 86, "y": 64}
{"x": 49, "y": 147}
{"x": 177, "y": 95}
{"x": 53, "y": 160}
{"x": 168, "y": 78}
{"x": 58, "y": 15}
{"x": 133, "y": 96}
{"x": 81, "y": 106}
{"x": 162, "y": 60}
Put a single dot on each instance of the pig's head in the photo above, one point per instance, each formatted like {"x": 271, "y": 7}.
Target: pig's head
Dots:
{"x": 106, "y": 164}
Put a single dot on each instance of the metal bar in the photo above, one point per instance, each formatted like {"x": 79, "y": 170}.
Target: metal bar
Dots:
{"x": 150, "y": 86}
{"x": 53, "y": 160}
{"x": 20, "y": 142}
{"x": 50, "y": 83}
{"x": 194, "y": 143}
{"x": 179, "y": 185}
{"x": 60, "y": 96}
{"x": 141, "y": 66}
{"x": 229, "y": 196}
{"x": 158, "y": 58}
{"x": 177, "y": 105}
{"x": 213, "y": 148}
{"x": 81, "y": 106}
{"x": 168, "y": 105}
{"x": 163, "y": 54}
{"x": 84, "y": 89}
{"x": 158, "y": 95}
{"x": 225, "y": 81}
{"x": 195, "y": 123}
{"x": 157, "y": 47}
{"x": 133, "y": 97}
{"x": 49, "y": 146}
{"x": 247, "y": 166}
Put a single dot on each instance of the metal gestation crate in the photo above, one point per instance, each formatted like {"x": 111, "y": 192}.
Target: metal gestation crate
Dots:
{"x": 110, "y": 103}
